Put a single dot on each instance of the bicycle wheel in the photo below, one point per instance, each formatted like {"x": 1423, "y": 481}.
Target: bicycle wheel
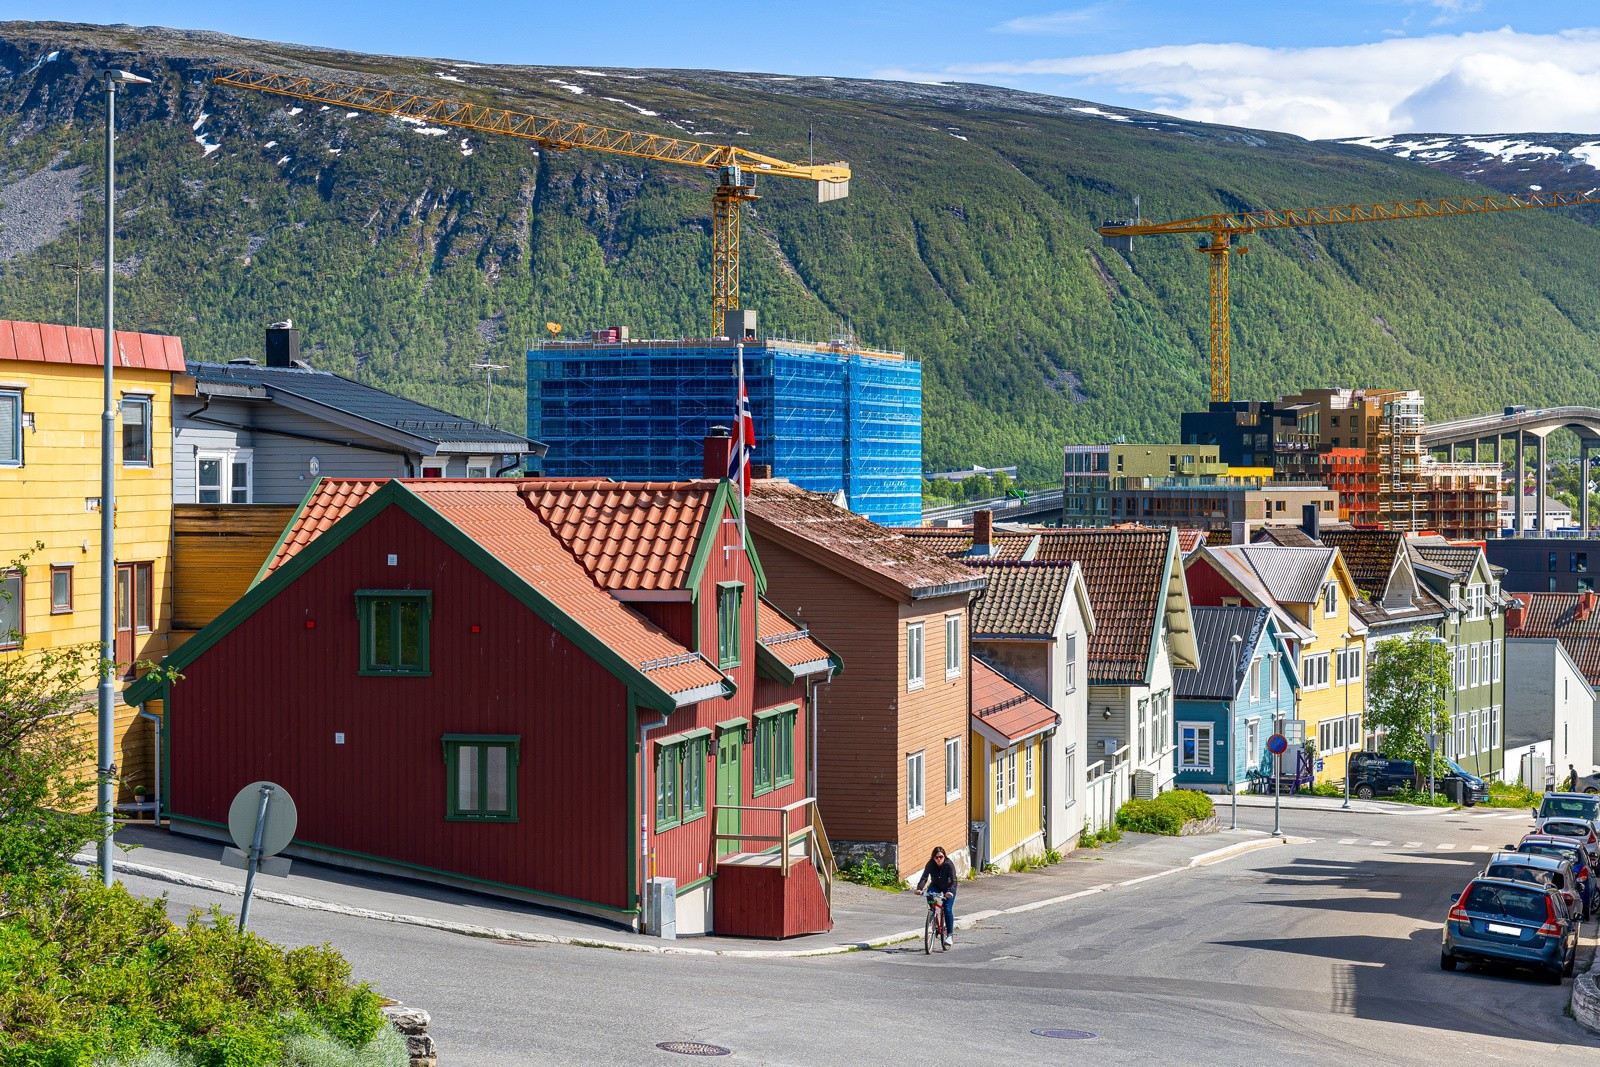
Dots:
{"x": 927, "y": 934}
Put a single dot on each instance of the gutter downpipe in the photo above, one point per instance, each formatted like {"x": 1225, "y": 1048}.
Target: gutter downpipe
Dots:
{"x": 155, "y": 720}
{"x": 644, "y": 821}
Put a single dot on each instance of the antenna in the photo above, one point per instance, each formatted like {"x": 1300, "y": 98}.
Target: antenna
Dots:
{"x": 488, "y": 397}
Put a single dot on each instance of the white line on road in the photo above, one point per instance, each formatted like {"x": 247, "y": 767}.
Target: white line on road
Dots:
{"x": 1349, "y": 840}
{"x": 1412, "y": 844}
{"x": 1447, "y": 847}
{"x": 1380, "y": 844}
{"x": 1481, "y": 848}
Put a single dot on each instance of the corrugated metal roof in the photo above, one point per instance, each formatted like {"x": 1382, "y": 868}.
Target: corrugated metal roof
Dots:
{"x": 43, "y": 342}
{"x": 1004, "y": 707}
{"x": 1290, "y": 575}
{"x": 1022, "y": 599}
{"x": 371, "y": 405}
{"x": 1220, "y": 676}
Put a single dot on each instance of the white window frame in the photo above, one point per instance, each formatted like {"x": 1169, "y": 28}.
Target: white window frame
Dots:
{"x": 1314, "y": 670}
{"x": 1472, "y": 732}
{"x": 483, "y": 463}
{"x": 1273, "y": 673}
{"x": 916, "y": 784}
{"x": 916, "y": 656}
{"x": 952, "y": 647}
{"x": 1330, "y": 600}
{"x": 434, "y": 467}
{"x": 147, "y": 402}
{"x": 226, "y": 458}
{"x": 1140, "y": 746}
{"x": 14, "y": 397}
{"x": 1070, "y": 677}
{"x": 952, "y": 770}
{"x": 1495, "y": 647}
{"x": 998, "y": 770}
{"x": 1011, "y": 776}
{"x": 1204, "y": 759}
{"x": 1069, "y": 767}
{"x": 1255, "y": 680}
{"x": 1027, "y": 767}
{"x": 1252, "y": 740}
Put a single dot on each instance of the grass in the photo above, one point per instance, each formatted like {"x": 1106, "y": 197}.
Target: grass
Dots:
{"x": 1106, "y": 835}
{"x": 1507, "y": 795}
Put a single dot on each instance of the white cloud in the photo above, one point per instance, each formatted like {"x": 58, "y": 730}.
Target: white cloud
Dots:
{"x": 1483, "y": 82}
{"x": 1054, "y": 23}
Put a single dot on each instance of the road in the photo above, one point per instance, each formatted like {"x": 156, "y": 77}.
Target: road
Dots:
{"x": 1324, "y": 952}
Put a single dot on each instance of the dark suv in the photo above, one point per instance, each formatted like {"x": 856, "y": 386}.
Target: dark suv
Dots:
{"x": 1373, "y": 774}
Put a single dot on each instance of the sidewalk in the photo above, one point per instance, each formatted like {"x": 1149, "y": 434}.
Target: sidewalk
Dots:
{"x": 1311, "y": 803}
{"x": 862, "y": 917}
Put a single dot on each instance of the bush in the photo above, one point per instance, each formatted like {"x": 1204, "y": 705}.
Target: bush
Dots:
{"x": 90, "y": 975}
{"x": 1166, "y": 813}
{"x": 1095, "y": 838}
{"x": 869, "y": 872}
{"x": 1511, "y": 795}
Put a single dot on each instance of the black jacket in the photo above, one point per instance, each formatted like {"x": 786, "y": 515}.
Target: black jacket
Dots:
{"x": 939, "y": 877}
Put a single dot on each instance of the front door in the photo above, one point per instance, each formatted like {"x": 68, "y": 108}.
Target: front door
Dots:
{"x": 730, "y": 749}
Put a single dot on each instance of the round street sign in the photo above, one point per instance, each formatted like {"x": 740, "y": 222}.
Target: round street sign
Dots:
{"x": 277, "y": 829}
{"x": 1277, "y": 744}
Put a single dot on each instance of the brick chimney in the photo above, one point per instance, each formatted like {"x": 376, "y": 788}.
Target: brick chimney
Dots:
{"x": 982, "y": 531}
{"x": 718, "y": 453}
{"x": 1517, "y": 612}
{"x": 1587, "y": 602}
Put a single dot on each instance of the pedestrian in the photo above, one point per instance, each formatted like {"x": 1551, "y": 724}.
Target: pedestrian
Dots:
{"x": 1572, "y": 779}
{"x": 940, "y": 877}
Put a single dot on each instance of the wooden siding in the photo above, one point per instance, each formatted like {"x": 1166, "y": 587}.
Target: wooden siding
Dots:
{"x": 267, "y": 700}
{"x": 761, "y": 902}
{"x": 675, "y": 617}
{"x": 928, "y": 717}
{"x": 217, "y": 550}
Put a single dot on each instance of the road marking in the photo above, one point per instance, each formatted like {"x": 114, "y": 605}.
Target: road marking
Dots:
{"x": 1349, "y": 840}
{"x": 1447, "y": 848}
{"x": 1412, "y": 844}
{"x": 1481, "y": 848}
{"x": 1380, "y": 844}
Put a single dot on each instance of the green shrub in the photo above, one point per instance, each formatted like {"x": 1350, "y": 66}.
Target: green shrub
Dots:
{"x": 1511, "y": 795}
{"x": 94, "y": 975}
{"x": 1166, "y": 813}
{"x": 869, "y": 872}
{"x": 1095, "y": 838}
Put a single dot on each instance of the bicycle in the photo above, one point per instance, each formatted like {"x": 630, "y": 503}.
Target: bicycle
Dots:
{"x": 933, "y": 925}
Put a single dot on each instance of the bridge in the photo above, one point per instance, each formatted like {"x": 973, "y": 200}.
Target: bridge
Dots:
{"x": 1040, "y": 504}
{"x": 1520, "y": 423}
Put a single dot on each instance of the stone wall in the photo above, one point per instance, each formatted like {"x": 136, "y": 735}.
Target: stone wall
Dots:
{"x": 413, "y": 1026}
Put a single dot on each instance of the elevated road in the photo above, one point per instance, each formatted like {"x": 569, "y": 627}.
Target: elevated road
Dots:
{"x": 1520, "y": 423}
{"x": 1044, "y": 504}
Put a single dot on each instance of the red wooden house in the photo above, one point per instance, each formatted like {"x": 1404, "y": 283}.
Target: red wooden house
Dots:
{"x": 550, "y": 689}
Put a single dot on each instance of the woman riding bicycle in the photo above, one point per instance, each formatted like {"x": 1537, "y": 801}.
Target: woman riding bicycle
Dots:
{"x": 940, "y": 877}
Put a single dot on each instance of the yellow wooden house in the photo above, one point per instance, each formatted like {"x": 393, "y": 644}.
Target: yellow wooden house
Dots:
{"x": 51, "y": 403}
{"x": 1009, "y": 792}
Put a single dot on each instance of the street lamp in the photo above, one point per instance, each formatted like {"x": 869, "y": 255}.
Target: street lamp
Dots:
{"x": 1347, "y": 673}
{"x": 1433, "y": 734}
{"x": 1277, "y": 728}
{"x": 108, "y": 498}
{"x": 1233, "y": 732}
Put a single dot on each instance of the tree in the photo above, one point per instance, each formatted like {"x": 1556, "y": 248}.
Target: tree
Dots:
{"x": 1406, "y": 686}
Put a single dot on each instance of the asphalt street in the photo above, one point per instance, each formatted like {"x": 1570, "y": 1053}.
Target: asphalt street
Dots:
{"x": 1324, "y": 952}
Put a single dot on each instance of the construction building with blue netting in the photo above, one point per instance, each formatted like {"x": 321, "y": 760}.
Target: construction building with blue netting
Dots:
{"x": 832, "y": 417}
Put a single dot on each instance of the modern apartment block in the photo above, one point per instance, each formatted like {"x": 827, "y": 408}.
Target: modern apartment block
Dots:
{"x": 832, "y": 418}
{"x": 1546, "y": 564}
{"x": 1256, "y": 433}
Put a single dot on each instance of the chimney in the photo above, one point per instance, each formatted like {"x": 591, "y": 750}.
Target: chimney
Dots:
{"x": 718, "y": 453}
{"x": 760, "y": 471}
{"x": 1516, "y": 613}
{"x": 1587, "y": 601}
{"x": 1311, "y": 521}
{"x": 982, "y": 531}
{"x": 283, "y": 345}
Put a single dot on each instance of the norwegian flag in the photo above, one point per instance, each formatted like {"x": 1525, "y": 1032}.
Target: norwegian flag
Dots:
{"x": 744, "y": 435}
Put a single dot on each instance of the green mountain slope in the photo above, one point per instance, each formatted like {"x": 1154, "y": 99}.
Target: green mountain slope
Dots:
{"x": 968, "y": 239}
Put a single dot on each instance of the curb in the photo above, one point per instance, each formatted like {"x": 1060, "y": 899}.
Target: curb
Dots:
{"x": 161, "y": 874}
{"x": 1586, "y": 1000}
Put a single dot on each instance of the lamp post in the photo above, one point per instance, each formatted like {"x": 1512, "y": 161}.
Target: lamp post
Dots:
{"x": 1277, "y": 728}
{"x": 108, "y": 499}
{"x": 1233, "y": 732}
{"x": 1347, "y": 665}
{"x": 1433, "y": 734}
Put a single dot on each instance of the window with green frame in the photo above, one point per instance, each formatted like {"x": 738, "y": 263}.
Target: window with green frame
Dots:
{"x": 394, "y": 631}
{"x": 774, "y": 749}
{"x": 730, "y": 598}
{"x": 481, "y": 775}
{"x": 681, "y": 778}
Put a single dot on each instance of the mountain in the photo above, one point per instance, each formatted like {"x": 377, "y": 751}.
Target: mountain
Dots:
{"x": 1507, "y": 162}
{"x": 409, "y": 252}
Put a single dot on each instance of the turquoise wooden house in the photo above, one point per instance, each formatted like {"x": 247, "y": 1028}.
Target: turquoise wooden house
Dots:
{"x": 1223, "y": 710}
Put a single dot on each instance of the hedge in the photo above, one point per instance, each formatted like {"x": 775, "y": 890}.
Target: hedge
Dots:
{"x": 1165, "y": 814}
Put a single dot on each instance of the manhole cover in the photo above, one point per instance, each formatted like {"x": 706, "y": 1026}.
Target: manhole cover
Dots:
{"x": 1067, "y": 1035}
{"x": 693, "y": 1048}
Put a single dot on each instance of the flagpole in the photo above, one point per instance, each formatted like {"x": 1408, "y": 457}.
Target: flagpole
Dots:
{"x": 744, "y": 468}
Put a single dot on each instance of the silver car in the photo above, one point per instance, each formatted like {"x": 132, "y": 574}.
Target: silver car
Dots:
{"x": 1567, "y": 807}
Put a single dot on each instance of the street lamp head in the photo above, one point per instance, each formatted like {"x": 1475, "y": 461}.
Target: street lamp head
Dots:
{"x": 125, "y": 77}
{"x": 1235, "y": 640}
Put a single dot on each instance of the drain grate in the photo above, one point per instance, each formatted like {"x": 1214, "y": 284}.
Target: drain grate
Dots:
{"x": 1067, "y": 1035}
{"x": 693, "y": 1048}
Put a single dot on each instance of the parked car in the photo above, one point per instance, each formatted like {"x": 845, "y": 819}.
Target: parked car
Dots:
{"x": 1567, "y": 807}
{"x": 1373, "y": 774}
{"x": 1521, "y": 923}
{"x": 1589, "y": 783}
{"x": 1575, "y": 852}
{"x": 1545, "y": 870}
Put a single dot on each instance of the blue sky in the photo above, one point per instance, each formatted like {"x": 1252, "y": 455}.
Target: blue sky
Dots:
{"x": 1336, "y": 68}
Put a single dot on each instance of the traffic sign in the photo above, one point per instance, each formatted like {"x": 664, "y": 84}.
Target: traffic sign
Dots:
{"x": 277, "y": 827}
{"x": 1277, "y": 744}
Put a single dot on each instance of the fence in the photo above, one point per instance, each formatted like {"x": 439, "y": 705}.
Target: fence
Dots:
{"x": 1108, "y": 787}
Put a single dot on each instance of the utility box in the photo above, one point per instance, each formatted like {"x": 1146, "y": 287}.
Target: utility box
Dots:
{"x": 1144, "y": 785}
{"x": 978, "y": 844}
{"x": 1534, "y": 769}
{"x": 662, "y": 899}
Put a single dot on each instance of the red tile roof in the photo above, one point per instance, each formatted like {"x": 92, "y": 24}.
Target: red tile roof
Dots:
{"x": 813, "y": 526}
{"x": 627, "y": 535}
{"x": 330, "y": 501}
{"x": 42, "y": 342}
{"x": 1004, "y": 707}
{"x": 956, "y": 542}
{"x": 793, "y": 645}
{"x": 1556, "y": 615}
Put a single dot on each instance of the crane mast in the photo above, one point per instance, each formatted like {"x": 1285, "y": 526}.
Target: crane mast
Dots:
{"x": 1220, "y": 232}
{"x": 736, "y": 168}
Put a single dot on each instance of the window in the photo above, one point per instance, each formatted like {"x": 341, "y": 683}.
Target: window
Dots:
{"x": 1314, "y": 671}
{"x": 915, "y": 767}
{"x": 1071, "y": 674}
{"x": 136, "y": 435}
{"x": 1472, "y": 660}
{"x": 1552, "y": 568}
{"x": 1494, "y": 648}
{"x": 1027, "y": 769}
{"x": 1347, "y": 666}
{"x": 10, "y": 429}
{"x": 60, "y": 589}
{"x": 914, "y": 657}
{"x": 952, "y": 769}
{"x": 730, "y": 602}
{"x": 1473, "y": 727}
{"x": 133, "y": 597}
{"x": 482, "y": 777}
{"x": 681, "y": 778}
{"x": 11, "y": 616}
{"x": 1270, "y": 666}
{"x": 1254, "y": 670}
{"x": 1460, "y": 668}
{"x": 774, "y": 749}
{"x": 394, "y": 631}
{"x": 1144, "y": 726}
{"x": 1330, "y": 600}
{"x": 1252, "y": 742}
{"x": 1011, "y": 776}
{"x": 1580, "y": 562}
{"x": 222, "y": 477}
{"x": 1069, "y": 773}
{"x": 952, "y": 646}
{"x": 998, "y": 773}
{"x": 479, "y": 467}
{"x": 1194, "y": 746}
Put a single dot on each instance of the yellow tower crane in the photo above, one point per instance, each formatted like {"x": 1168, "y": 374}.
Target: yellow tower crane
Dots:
{"x": 1222, "y": 230}
{"x": 736, "y": 168}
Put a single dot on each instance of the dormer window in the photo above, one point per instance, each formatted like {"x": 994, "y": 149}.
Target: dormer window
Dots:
{"x": 730, "y": 599}
{"x": 1330, "y": 600}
